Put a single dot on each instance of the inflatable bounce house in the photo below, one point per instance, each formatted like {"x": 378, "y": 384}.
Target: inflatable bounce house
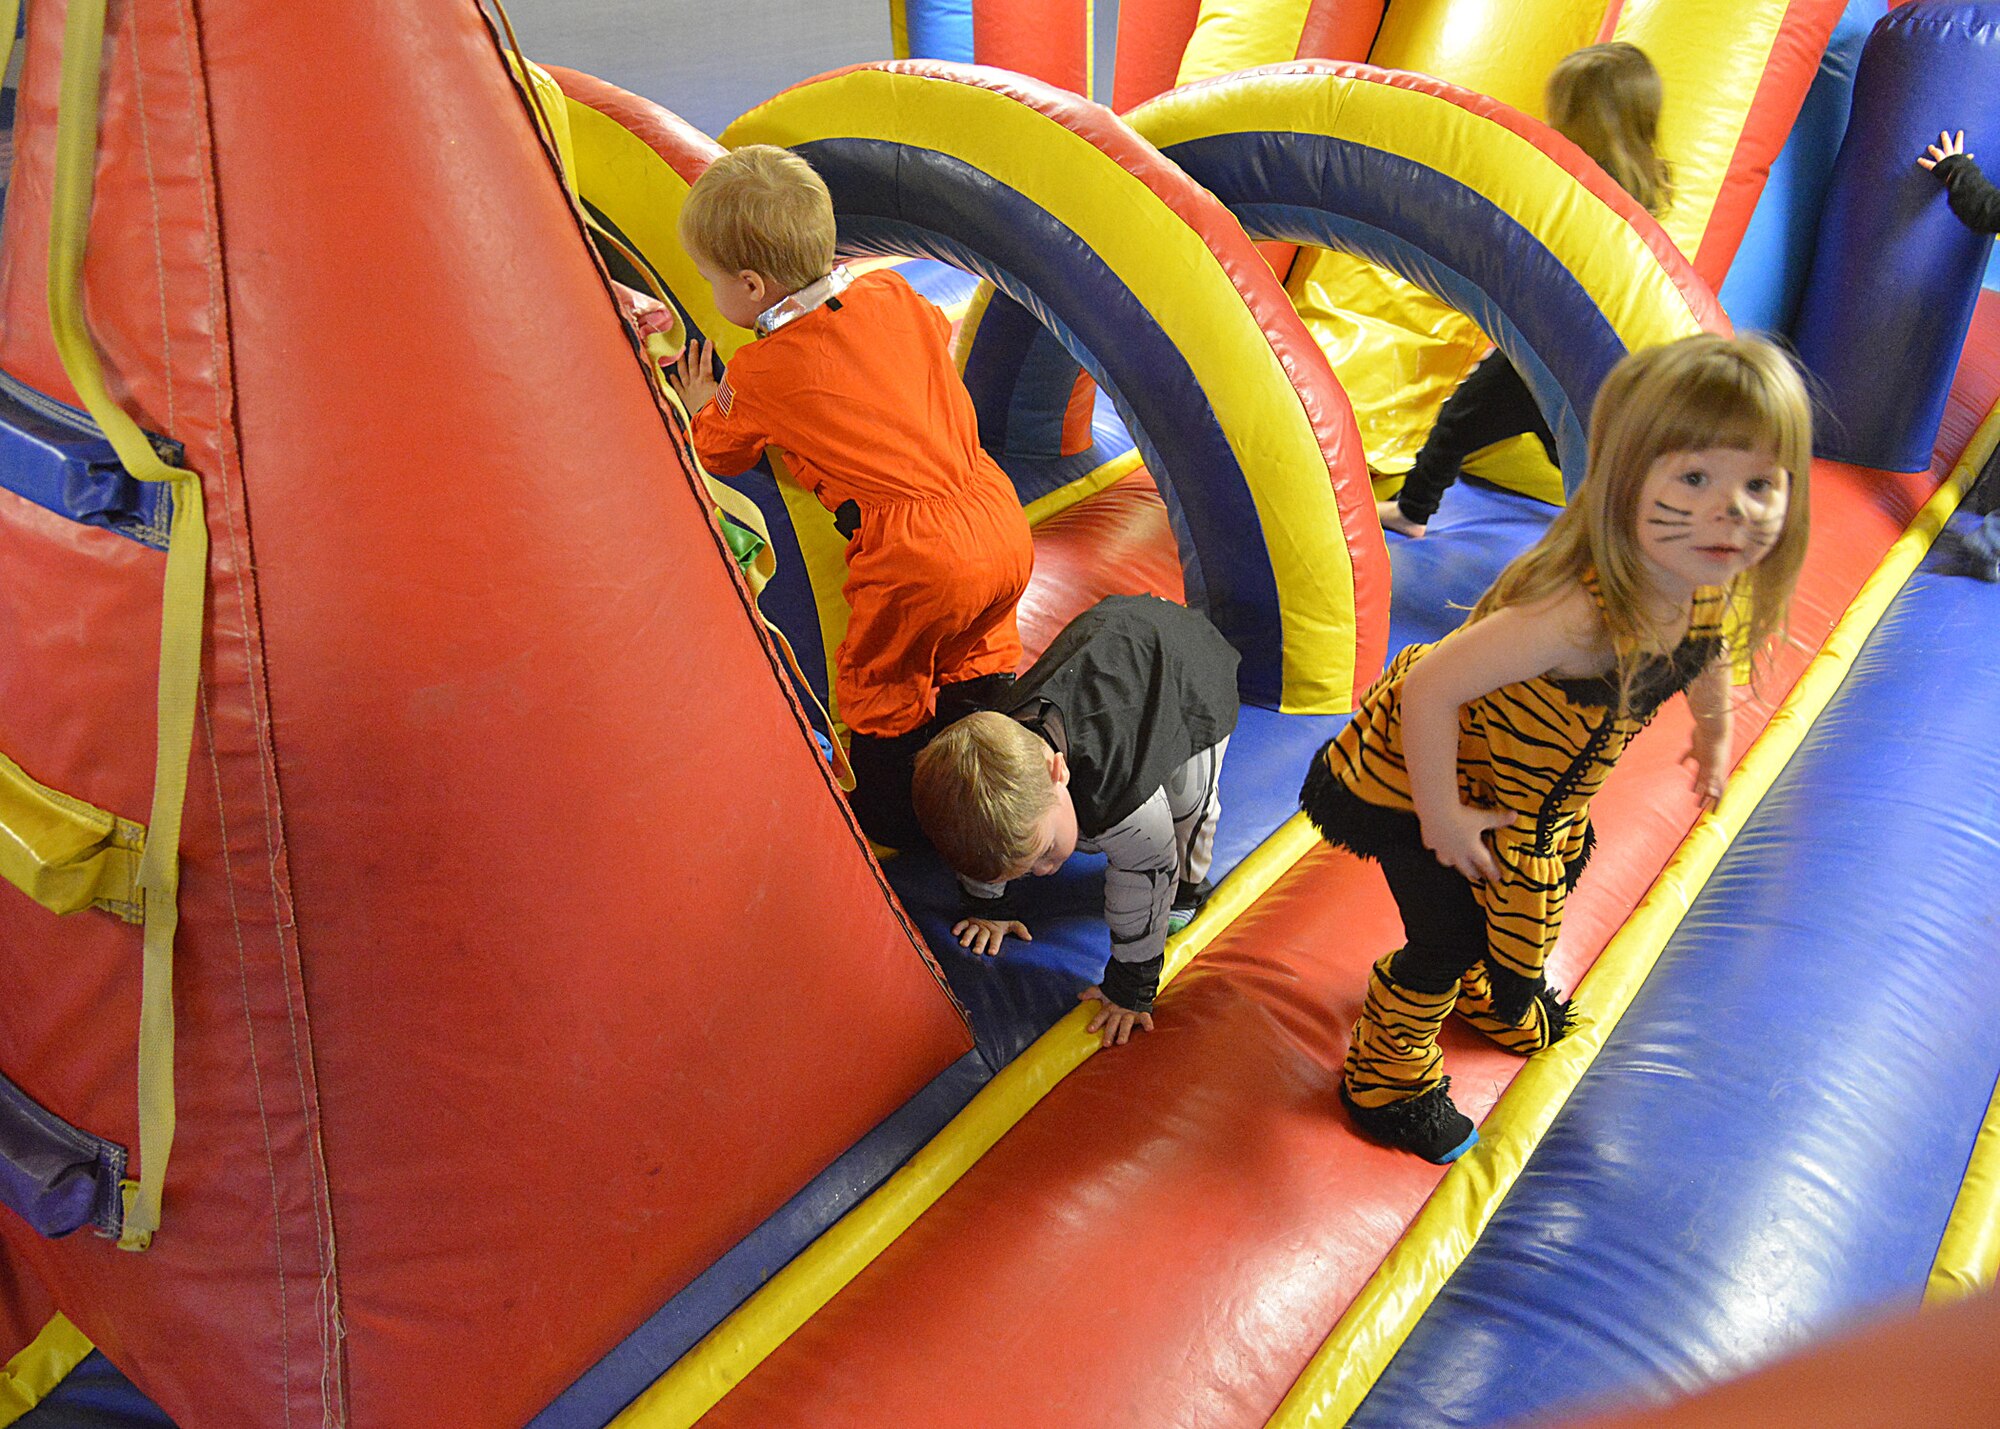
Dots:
{"x": 441, "y": 983}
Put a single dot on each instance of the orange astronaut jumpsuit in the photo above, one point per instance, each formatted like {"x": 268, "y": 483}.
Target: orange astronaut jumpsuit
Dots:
{"x": 861, "y": 396}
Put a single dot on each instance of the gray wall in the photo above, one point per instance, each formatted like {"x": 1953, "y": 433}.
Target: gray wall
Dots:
{"x": 706, "y": 61}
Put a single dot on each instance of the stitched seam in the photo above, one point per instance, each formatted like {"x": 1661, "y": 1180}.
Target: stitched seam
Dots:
{"x": 326, "y": 1316}
{"x": 152, "y": 193}
{"x": 256, "y": 1069}
{"x": 214, "y": 760}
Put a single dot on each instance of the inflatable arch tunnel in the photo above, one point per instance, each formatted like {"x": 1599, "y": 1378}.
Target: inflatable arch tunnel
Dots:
{"x": 1247, "y": 436}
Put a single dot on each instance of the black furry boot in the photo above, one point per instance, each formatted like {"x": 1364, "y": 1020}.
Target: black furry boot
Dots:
{"x": 1429, "y": 1126}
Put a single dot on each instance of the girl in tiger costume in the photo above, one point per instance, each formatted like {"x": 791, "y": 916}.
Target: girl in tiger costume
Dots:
{"x": 1468, "y": 770}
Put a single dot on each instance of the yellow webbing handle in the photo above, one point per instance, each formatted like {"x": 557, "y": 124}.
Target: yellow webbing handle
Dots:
{"x": 65, "y": 854}
{"x": 180, "y": 613}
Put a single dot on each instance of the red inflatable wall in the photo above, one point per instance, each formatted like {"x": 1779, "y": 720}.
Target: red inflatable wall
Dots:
{"x": 1049, "y": 39}
{"x": 528, "y": 958}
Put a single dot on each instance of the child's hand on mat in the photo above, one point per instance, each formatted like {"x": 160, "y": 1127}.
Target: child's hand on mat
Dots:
{"x": 1946, "y": 146}
{"x": 1457, "y": 835}
{"x": 1708, "y": 752}
{"x": 1116, "y": 1024}
{"x": 693, "y": 376}
{"x": 984, "y": 935}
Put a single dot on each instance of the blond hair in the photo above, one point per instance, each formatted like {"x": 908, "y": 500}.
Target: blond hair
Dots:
{"x": 762, "y": 208}
{"x": 980, "y": 789}
{"x": 1605, "y": 99}
{"x": 1702, "y": 391}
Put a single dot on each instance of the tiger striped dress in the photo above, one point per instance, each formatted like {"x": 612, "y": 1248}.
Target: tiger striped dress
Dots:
{"x": 1541, "y": 749}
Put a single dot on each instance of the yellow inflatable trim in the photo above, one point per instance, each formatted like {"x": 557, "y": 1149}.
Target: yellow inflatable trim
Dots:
{"x": 823, "y": 551}
{"x": 1106, "y": 475}
{"x": 1506, "y": 51}
{"x": 1518, "y": 464}
{"x": 701, "y": 1377}
{"x": 1398, "y": 351}
{"x": 1604, "y": 253}
{"x": 1968, "y": 1258}
{"x": 1444, "y": 1231}
{"x": 641, "y": 194}
{"x": 43, "y": 1363}
{"x": 65, "y": 854}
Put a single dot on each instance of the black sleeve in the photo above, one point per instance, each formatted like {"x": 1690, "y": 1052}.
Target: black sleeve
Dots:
{"x": 1006, "y": 904}
{"x": 1973, "y": 198}
{"x": 1132, "y": 985}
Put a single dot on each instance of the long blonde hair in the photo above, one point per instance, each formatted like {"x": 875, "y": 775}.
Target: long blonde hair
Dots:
{"x": 1702, "y": 391}
{"x": 1605, "y": 99}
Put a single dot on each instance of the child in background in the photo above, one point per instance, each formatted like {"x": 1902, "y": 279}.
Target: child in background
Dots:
{"x": 853, "y": 380}
{"x": 1976, "y": 202}
{"x": 1606, "y": 100}
{"x": 1113, "y": 743}
{"x": 1970, "y": 193}
{"x": 1468, "y": 771}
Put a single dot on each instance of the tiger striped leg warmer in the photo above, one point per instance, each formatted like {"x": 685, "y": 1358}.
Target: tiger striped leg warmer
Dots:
{"x": 1538, "y": 1023}
{"x": 1392, "y": 1083}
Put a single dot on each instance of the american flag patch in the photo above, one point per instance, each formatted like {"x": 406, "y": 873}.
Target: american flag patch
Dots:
{"x": 725, "y": 398}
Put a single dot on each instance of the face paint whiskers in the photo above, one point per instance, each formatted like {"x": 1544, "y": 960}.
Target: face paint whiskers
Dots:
{"x": 1675, "y": 525}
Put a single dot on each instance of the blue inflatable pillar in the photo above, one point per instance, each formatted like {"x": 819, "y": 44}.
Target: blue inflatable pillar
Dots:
{"x": 1895, "y": 275}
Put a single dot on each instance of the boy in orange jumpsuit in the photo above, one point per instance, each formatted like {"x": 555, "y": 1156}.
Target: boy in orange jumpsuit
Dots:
{"x": 853, "y": 380}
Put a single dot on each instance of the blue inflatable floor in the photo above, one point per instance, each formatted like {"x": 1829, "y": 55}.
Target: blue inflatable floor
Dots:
{"x": 1770, "y": 1144}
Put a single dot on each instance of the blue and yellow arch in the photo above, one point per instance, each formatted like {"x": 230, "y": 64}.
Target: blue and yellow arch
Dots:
{"x": 1491, "y": 211}
{"x": 1148, "y": 283}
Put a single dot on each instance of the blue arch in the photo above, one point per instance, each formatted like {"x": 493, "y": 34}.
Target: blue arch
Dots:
{"x": 893, "y": 198}
{"x": 1439, "y": 234}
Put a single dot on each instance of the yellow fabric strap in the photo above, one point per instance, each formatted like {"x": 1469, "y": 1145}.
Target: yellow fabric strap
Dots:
{"x": 65, "y": 854}
{"x": 45, "y": 1362}
{"x": 1968, "y": 1256}
{"x": 181, "y": 606}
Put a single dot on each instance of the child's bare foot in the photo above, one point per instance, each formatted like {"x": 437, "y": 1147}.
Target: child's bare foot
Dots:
{"x": 1393, "y": 519}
